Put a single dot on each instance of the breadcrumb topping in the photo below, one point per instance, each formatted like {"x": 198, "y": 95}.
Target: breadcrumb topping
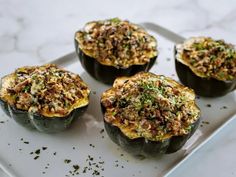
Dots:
{"x": 46, "y": 90}
{"x": 117, "y": 43}
{"x": 151, "y": 106}
{"x": 208, "y": 58}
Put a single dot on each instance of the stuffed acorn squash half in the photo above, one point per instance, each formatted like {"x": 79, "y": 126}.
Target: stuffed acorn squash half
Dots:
{"x": 206, "y": 65}
{"x": 43, "y": 97}
{"x": 149, "y": 114}
{"x": 111, "y": 48}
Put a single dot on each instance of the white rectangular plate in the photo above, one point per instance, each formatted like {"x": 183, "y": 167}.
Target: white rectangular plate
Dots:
{"x": 85, "y": 138}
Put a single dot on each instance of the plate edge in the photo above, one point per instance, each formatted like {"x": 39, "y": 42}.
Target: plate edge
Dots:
{"x": 215, "y": 132}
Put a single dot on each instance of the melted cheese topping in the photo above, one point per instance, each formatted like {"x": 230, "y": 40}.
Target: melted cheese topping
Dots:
{"x": 117, "y": 43}
{"x": 150, "y": 106}
{"x": 46, "y": 90}
{"x": 208, "y": 58}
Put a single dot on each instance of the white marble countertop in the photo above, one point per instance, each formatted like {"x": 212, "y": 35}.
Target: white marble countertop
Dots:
{"x": 33, "y": 32}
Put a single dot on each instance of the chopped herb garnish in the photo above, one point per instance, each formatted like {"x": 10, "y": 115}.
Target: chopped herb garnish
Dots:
{"x": 85, "y": 169}
{"x": 76, "y": 167}
{"x": 26, "y": 88}
{"x": 224, "y": 107}
{"x": 67, "y": 161}
{"x": 37, "y": 151}
{"x": 208, "y": 105}
{"x": 44, "y": 148}
{"x": 36, "y": 157}
{"x": 205, "y": 122}
{"x": 91, "y": 145}
{"x": 102, "y": 130}
{"x": 95, "y": 172}
{"x": 114, "y": 113}
{"x": 115, "y": 20}
{"x": 34, "y": 77}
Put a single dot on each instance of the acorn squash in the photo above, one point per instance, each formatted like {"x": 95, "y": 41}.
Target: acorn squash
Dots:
{"x": 148, "y": 114}
{"x": 111, "y": 48}
{"x": 208, "y": 66}
{"x": 45, "y": 98}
